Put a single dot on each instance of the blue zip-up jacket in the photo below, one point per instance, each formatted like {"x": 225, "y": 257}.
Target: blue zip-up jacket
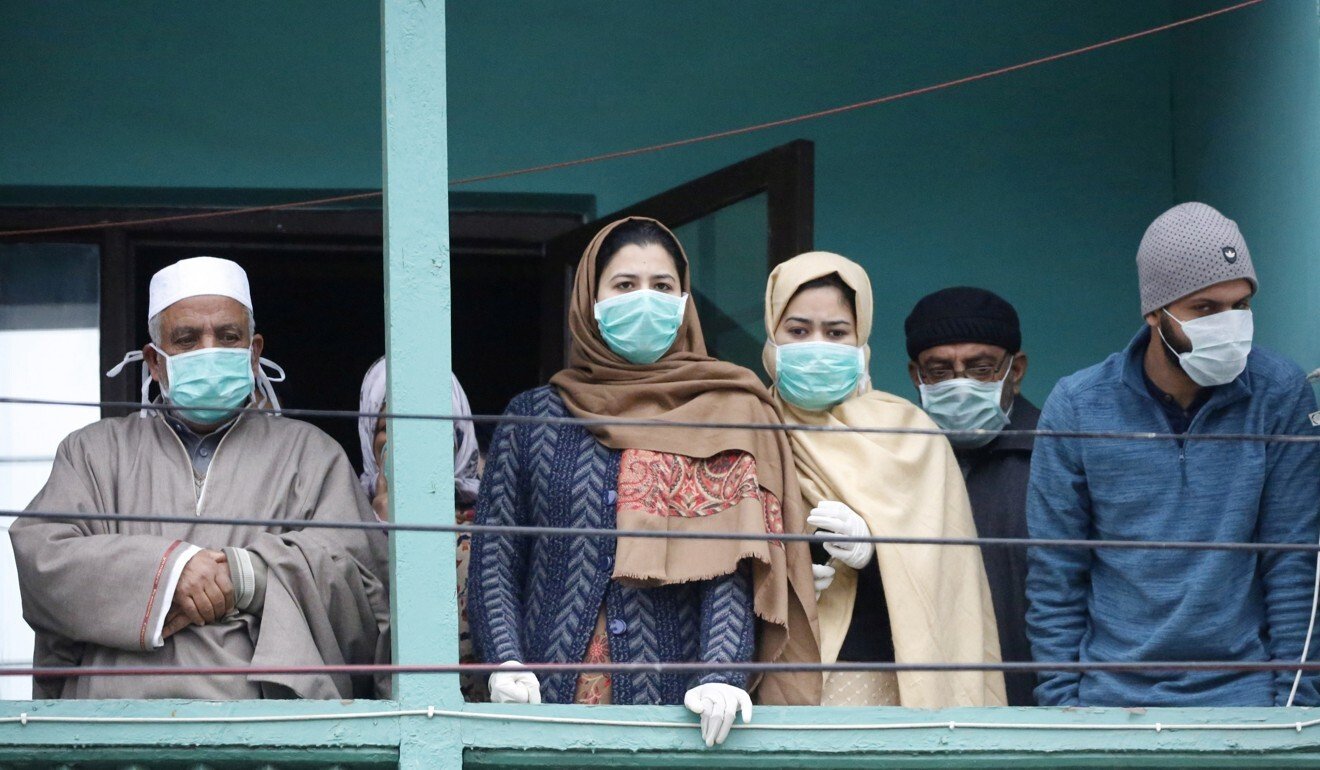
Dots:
{"x": 536, "y": 599}
{"x": 1146, "y": 605}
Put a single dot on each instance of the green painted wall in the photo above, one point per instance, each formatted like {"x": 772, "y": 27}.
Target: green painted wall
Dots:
{"x": 147, "y": 93}
{"x": 1247, "y": 140}
{"x": 1037, "y": 185}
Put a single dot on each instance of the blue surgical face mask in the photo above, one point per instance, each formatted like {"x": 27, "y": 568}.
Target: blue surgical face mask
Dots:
{"x": 818, "y": 375}
{"x": 640, "y": 326}
{"x": 210, "y": 384}
{"x": 967, "y": 404}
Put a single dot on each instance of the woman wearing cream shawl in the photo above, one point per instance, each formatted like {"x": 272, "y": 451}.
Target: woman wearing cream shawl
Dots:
{"x": 901, "y": 485}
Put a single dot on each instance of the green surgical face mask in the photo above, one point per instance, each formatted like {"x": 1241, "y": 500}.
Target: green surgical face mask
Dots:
{"x": 640, "y": 326}
{"x": 966, "y": 404}
{"x": 208, "y": 385}
{"x": 818, "y": 375}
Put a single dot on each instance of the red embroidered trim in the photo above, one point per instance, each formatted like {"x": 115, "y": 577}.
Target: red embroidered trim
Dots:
{"x": 665, "y": 484}
{"x": 151, "y": 600}
{"x": 673, "y": 485}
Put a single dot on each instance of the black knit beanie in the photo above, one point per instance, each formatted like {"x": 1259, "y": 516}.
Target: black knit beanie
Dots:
{"x": 962, "y": 314}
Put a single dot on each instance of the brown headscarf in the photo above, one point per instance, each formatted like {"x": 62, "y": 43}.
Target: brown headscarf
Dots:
{"x": 687, "y": 385}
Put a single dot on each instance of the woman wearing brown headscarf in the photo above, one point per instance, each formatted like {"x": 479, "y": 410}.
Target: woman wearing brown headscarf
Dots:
{"x": 637, "y": 353}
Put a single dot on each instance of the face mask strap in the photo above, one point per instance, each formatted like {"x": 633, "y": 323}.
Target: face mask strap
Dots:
{"x": 131, "y": 357}
{"x": 264, "y": 382}
{"x": 135, "y": 357}
{"x": 1160, "y": 329}
{"x": 1008, "y": 370}
{"x": 278, "y": 369}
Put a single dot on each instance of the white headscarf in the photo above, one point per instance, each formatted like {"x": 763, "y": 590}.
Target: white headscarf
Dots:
{"x": 372, "y": 402}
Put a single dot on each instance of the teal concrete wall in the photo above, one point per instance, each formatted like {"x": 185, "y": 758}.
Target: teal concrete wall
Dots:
{"x": 147, "y": 93}
{"x": 1037, "y": 185}
{"x": 1246, "y": 106}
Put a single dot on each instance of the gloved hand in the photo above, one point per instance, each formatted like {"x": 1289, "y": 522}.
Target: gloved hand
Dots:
{"x": 833, "y": 517}
{"x": 514, "y": 686}
{"x": 718, "y": 704}
{"x": 823, "y": 576}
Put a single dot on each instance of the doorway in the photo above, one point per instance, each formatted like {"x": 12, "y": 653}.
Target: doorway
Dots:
{"x": 317, "y": 280}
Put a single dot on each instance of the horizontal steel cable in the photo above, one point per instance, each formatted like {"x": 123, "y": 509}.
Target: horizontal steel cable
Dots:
{"x": 510, "y": 530}
{"x": 1265, "y": 438}
{"x": 666, "y": 667}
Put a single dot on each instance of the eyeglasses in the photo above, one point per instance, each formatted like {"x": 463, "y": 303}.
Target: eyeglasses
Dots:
{"x": 982, "y": 372}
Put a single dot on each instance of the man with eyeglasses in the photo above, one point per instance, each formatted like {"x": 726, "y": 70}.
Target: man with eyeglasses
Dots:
{"x": 966, "y": 361}
{"x": 1191, "y": 372}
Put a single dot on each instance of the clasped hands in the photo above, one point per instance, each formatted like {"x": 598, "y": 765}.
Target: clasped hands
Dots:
{"x": 204, "y": 593}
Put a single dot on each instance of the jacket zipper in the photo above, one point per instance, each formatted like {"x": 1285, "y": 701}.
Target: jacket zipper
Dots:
{"x": 199, "y": 496}
{"x": 1197, "y": 418}
{"x": 214, "y": 458}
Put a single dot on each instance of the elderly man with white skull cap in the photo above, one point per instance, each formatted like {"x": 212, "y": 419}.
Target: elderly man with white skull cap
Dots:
{"x": 120, "y": 593}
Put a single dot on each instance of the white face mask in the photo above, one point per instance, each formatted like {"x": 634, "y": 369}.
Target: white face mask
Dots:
{"x": 1220, "y": 346}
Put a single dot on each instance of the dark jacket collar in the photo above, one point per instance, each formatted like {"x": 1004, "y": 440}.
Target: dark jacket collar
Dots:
{"x": 1134, "y": 375}
{"x": 1024, "y": 416}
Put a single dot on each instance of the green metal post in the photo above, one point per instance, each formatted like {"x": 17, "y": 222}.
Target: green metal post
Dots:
{"x": 417, "y": 307}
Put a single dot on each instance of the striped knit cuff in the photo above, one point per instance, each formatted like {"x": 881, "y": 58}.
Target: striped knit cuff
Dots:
{"x": 242, "y": 576}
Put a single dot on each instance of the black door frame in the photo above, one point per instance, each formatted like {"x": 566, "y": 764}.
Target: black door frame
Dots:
{"x": 785, "y": 174}
{"x": 526, "y": 223}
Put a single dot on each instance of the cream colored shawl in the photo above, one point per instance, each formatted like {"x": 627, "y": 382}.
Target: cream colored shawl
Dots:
{"x": 903, "y": 485}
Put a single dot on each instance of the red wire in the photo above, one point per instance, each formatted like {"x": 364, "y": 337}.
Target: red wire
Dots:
{"x": 656, "y": 667}
{"x": 856, "y": 105}
{"x": 184, "y": 217}
{"x": 667, "y": 145}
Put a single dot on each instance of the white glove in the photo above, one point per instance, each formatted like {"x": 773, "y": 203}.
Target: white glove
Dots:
{"x": 832, "y": 517}
{"x": 514, "y": 686}
{"x": 718, "y": 704}
{"x": 823, "y": 576}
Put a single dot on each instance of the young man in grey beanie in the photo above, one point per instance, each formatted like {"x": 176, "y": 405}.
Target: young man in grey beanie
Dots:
{"x": 966, "y": 361}
{"x": 1191, "y": 371}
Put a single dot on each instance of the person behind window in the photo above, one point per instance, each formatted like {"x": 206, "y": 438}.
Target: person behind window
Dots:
{"x": 966, "y": 361}
{"x": 1191, "y": 371}
{"x": 886, "y": 603}
{"x": 637, "y": 352}
{"x": 108, "y": 594}
{"x": 373, "y": 435}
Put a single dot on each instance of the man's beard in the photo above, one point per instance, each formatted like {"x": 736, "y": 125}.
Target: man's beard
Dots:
{"x": 1174, "y": 340}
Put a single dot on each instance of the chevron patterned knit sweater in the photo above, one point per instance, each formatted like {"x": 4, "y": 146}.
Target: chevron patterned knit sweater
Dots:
{"x": 536, "y": 599}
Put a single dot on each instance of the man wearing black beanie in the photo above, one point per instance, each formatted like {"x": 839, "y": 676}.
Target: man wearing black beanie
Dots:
{"x": 965, "y": 359}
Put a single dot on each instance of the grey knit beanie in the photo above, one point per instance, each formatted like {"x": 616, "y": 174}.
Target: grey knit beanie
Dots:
{"x": 1187, "y": 248}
